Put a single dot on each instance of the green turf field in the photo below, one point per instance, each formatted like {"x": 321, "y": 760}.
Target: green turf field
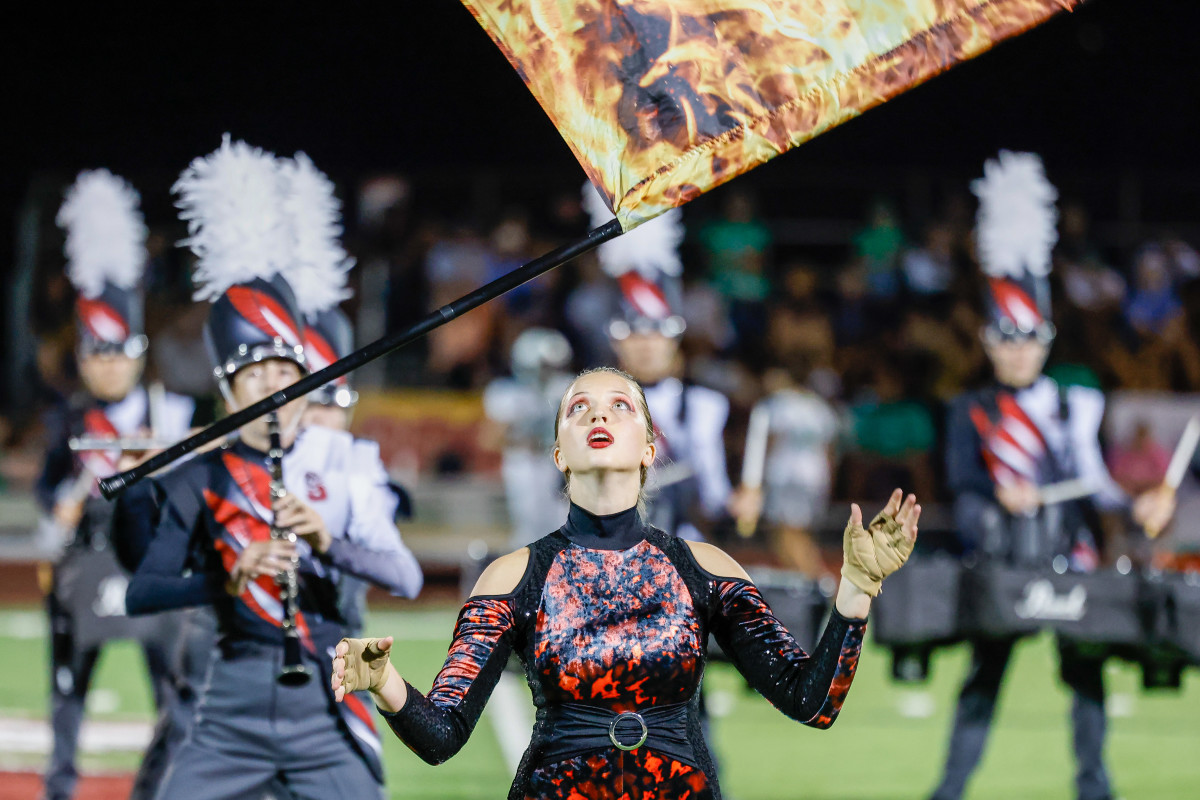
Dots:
{"x": 873, "y": 752}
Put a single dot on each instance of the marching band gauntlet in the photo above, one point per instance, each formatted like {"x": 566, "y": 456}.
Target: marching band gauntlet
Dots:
{"x": 366, "y": 665}
{"x": 874, "y": 552}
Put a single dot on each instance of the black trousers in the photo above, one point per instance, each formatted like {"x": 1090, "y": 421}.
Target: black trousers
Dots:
{"x": 70, "y": 677}
{"x": 1080, "y": 670}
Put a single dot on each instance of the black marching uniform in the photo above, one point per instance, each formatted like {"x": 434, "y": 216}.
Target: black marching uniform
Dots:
{"x": 86, "y": 602}
{"x": 106, "y": 257}
{"x": 1032, "y": 436}
{"x": 255, "y": 731}
{"x": 1046, "y": 434}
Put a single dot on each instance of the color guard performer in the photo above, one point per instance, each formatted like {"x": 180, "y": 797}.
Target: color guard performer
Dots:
{"x": 611, "y": 619}
{"x": 105, "y": 248}
{"x": 1005, "y": 442}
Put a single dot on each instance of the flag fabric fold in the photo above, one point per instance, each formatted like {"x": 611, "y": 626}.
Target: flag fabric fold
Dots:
{"x": 662, "y": 100}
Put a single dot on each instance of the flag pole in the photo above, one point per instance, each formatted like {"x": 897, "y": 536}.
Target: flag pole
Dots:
{"x": 112, "y": 486}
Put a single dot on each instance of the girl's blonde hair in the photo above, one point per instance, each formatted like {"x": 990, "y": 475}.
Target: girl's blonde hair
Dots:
{"x": 643, "y": 406}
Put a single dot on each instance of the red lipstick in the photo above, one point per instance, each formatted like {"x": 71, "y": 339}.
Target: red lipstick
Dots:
{"x": 598, "y": 438}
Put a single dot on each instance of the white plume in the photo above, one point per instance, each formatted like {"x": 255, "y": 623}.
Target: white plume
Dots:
{"x": 319, "y": 266}
{"x": 106, "y": 237}
{"x": 233, "y": 207}
{"x": 650, "y": 248}
{"x": 1015, "y": 227}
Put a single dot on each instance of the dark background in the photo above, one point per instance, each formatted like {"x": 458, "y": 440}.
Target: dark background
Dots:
{"x": 417, "y": 87}
{"x": 404, "y": 85}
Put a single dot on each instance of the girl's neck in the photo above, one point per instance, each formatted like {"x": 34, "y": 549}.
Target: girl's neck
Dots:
{"x": 603, "y": 492}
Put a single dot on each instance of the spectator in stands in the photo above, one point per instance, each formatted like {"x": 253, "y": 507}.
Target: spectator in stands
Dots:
{"x": 1088, "y": 283}
{"x": 800, "y": 338}
{"x": 851, "y": 318}
{"x": 1188, "y": 341}
{"x": 929, "y": 270}
{"x": 1153, "y": 303}
{"x": 877, "y": 249}
{"x": 892, "y": 437}
{"x": 949, "y": 346}
{"x": 737, "y": 250}
{"x": 458, "y": 353}
{"x": 1182, "y": 257}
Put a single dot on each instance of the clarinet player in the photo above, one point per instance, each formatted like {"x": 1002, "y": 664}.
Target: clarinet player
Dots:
{"x": 213, "y": 542}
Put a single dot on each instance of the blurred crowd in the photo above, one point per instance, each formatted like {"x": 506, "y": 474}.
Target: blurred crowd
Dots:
{"x": 876, "y": 334}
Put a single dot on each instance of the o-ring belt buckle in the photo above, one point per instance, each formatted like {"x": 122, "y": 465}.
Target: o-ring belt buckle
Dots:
{"x": 612, "y": 730}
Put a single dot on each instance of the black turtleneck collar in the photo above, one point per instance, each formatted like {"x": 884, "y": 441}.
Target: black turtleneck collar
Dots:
{"x": 618, "y": 531}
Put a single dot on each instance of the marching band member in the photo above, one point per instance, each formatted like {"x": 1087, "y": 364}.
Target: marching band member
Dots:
{"x": 319, "y": 283}
{"x": 690, "y": 488}
{"x": 214, "y": 543}
{"x": 799, "y": 468}
{"x": 106, "y": 252}
{"x": 328, "y": 336}
{"x": 611, "y": 618}
{"x": 1019, "y": 433}
{"x": 532, "y": 487}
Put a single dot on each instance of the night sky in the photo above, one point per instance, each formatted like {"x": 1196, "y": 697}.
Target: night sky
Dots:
{"x": 417, "y": 86}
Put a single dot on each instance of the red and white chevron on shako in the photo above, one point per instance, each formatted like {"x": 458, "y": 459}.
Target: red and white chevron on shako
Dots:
{"x": 1016, "y": 304}
{"x": 265, "y": 313}
{"x": 319, "y": 352}
{"x": 1013, "y": 446}
{"x": 101, "y": 320}
{"x": 646, "y": 298}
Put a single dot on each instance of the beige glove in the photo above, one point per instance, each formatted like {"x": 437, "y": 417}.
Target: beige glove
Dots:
{"x": 874, "y": 552}
{"x": 365, "y": 665}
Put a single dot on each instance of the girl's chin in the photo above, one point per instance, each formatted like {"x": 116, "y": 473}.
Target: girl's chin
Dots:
{"x": 601, "y": 459}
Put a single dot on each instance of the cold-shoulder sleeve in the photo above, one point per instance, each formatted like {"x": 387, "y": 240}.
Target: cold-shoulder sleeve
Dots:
{"x": 437, "y": 725}
{"x": 807, "y": 688}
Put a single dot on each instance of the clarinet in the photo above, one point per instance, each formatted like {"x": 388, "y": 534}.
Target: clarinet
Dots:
{"x": 294, "y": 672}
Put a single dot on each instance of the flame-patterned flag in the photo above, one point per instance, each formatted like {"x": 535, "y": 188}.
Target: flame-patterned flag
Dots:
{"x": 661, "y": 100}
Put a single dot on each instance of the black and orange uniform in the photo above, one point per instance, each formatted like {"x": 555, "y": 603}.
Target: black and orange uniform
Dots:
{"x": 611, "y": 621}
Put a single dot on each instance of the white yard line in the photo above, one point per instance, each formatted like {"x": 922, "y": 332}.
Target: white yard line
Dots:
{"x": 414, "y": 626}
{"x": 510, "y": 713}
{"x": 23, "y": 624}
{"x": 19, "y": 735}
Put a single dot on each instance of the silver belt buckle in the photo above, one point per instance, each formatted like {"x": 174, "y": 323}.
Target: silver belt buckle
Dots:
{"x": 612, "y": 730}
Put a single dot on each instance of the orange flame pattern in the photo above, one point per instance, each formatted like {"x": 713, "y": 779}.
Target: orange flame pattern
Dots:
{"x": 661, "y": 100}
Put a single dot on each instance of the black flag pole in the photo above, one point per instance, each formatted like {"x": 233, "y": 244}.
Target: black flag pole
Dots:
{"x": 112, "y": 486}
